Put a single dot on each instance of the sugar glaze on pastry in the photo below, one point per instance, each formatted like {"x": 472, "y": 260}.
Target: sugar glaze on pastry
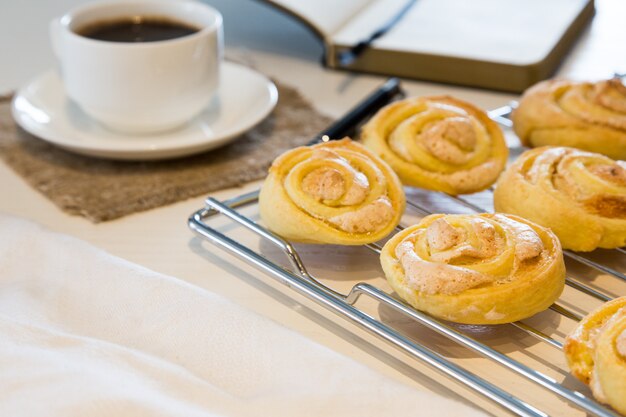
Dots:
{"x": 475, "y": 269}
{"x": 336, "y": 192}
{"x": 568, "y": 190}
{"x": 439, "y": 143}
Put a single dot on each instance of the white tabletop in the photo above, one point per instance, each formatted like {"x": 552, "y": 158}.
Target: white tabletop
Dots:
{"x": 280, "y": 47}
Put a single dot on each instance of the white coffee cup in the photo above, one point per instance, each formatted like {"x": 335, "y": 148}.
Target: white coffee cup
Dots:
{"x": 140, "y": 87}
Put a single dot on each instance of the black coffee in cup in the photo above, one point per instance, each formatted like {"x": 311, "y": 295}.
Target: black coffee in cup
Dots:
{"x": 137, "y": 29}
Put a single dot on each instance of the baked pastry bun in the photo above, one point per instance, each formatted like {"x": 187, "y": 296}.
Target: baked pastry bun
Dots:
{"x": 336, "y": 192}
{"x": 584, "y": 115}
{"x": 475, "y": 269}
{"x": 439, "y": 143}
{"x": 568, "y": 190}
{"x": 596, "y": 353}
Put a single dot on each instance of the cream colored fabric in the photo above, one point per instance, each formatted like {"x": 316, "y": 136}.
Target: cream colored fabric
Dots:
{"x": 85, "y": 334}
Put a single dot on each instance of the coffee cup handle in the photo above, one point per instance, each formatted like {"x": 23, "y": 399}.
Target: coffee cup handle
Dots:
{"x": 55, "y": 36}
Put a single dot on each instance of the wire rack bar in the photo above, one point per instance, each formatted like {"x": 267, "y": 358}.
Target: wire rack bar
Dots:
{"x": 556, "y": 307}
{"x": 537, "y": 334}
{"x": 595, "y": 265}
{"x": 337, "y": 305}
{"x": 423, "y": 210}
{"x": 487, "y": 352}
{"x": 587, "y": 290}
{"x": 342, "y": 305}
{"x": 502, "y": 114}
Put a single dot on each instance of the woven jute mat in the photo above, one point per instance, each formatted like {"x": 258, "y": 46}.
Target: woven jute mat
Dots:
{"x": 103, "y": 190}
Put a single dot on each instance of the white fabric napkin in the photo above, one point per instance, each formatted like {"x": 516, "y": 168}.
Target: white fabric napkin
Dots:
{"x": 83, "y": 333}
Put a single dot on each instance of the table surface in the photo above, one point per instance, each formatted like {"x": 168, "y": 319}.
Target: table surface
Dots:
{"x": 280, "y": 47}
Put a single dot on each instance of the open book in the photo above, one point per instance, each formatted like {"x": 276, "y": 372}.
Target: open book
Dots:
{"x": 496, "y": 44}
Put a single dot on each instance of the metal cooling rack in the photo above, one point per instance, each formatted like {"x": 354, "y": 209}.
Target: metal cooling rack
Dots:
{"x": 298, "y": 278}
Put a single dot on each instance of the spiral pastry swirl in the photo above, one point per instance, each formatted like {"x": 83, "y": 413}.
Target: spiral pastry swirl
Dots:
{"x": 336, "y": 192}
{"x": 475, "y": 269}
{"x": 596, "y": 353}
{"x": 568, "y": 190}
{"x": 583, "y": 115}
{"x": 438, "y": 143}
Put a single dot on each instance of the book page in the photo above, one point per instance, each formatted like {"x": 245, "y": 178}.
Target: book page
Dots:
{"x": 507, "y": 31}
{"x": 326, "y": 16}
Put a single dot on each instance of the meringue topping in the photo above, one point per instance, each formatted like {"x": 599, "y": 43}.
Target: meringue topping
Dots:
{"x": 342, "y": 188}
{"x": 435, "y": 278}
{"x": 447, "y": 243}
{"x": 329, "y": 184}
{"x": 368, "y": 218}
{"x": 358, "y": 190}
{"x": 324, "y": 184}
{"x": 450, "y": 140}
{"x": 488, "y": 242}
{"x": 528, "y": 244}
{"x": 441, "y": 235}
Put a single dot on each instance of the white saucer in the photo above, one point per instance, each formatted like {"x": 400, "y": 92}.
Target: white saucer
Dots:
{"x": 245, "y": 97}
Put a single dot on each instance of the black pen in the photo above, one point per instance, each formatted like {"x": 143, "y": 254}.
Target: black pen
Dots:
{"x": 346, "y": 124}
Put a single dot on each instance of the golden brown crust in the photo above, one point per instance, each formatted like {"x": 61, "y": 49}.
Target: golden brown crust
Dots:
{"x": 579, "y": 346}
{"x": 475, "y": 269}
{"x": 595, "y": 356}
{"x": 439, "y": 143}
{"x": 584, "y": 115}
{"x": 568, "y": 190}
{"x": 609, "y": 206}
{"x": 336, "y": 192}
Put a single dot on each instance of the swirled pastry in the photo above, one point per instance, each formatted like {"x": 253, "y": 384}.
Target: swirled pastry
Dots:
{"x": 584, "y": 115}
{"x": 336, "y": 192}
{"x": 438, "y": 143}
{"x": 596, "y": 353}
{"x": 568, "y": 190}
{"x": 475, "y": 269}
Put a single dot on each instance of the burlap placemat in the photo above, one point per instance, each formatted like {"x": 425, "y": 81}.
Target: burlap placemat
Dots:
{"x": 103, "y": 190}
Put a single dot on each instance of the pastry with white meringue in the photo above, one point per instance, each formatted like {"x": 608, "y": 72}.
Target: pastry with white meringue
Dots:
{"x": 438, "y": 143}
{"x": 475, "y": 269}
{"x": 337, "y": 192}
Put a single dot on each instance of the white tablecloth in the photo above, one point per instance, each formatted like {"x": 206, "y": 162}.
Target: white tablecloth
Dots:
{"x": 83, "y": 333}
